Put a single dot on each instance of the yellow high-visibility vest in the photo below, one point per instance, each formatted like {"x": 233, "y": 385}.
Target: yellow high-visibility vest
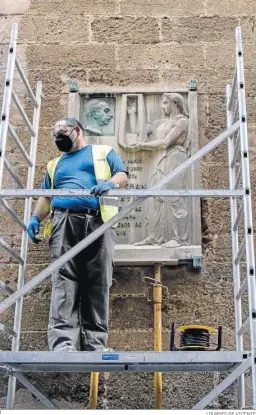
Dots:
{"x": 108, "y": 205}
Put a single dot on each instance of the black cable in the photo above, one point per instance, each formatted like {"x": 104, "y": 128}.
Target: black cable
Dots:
{"x": 195, "y": 337}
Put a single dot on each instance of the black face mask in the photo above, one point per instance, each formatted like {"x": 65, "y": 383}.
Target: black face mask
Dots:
{"x": 64, "y": 143}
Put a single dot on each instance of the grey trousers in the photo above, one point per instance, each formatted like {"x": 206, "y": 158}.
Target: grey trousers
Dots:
{"x": 80, "y": 288}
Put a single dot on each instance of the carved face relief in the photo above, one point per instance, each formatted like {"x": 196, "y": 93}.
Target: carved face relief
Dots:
{"x": 167, "y": 105}
{"x": 102, "y": 113}
{"x": 99, "y": 116}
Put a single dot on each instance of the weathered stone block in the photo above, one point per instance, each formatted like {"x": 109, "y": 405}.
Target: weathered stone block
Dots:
{"x": 133, "y": 391}
{"x": 123, "y": 77}
{"x": 131, "y": 339}
{"x": 130, "y": 312}
{"x": 217, "y": 110}
{"x": 250, "y": 106}
{"x": 252, "y": 176}
{"x": 208, "y": 80}
{"x": 210, "y": 132}
{"x": 184, "y": 390}
{"x": 215, "y": 176}
{"x": 17, "y": 7}
{"x": 217, "y": 218}
{"x": 250, "y": 80}
{"x": 252, "y": 142}
{"x": 89, "y": 7}
{"x": 54, "y": 56}
{"x": 6, "y": 22}
{"x": 53, "y": 109}
{"x": 5, "y": 344}
{"x": 57, "y": 81}
{"x": 37, "y": 253}
{"x": 222, "y": 56}
{"x": 231, "y": 8}
{"x": 220, "y": 153}
{"x": 48, "y": 29}
{"x": 70, "y": 388}
{"x": 36, "y": 309}
{"x": 188, "y": 297}
{"x": 206, "y": 29}
{"x": 34, "y": 341}
{"x": 9, "y": 273}
{"x": 167, "y": 56}
{"x": 126, "y": 29}
{"x": 161, "y": 7}
{"x": 45, "y": 141}
{"x": 6, "y": 317}
{"x": 129, "y": 281}
{"x": 218, "y": 248}
{"x": 198, "y": 29}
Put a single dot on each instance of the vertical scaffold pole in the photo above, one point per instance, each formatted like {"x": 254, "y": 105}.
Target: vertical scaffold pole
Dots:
{"x": 157, "y": 296}
{"x": 234, "y": 238}
{"x": 248, "y": 224}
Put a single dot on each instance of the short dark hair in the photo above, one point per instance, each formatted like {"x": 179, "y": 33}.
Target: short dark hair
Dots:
{"x": 73, "y": 122}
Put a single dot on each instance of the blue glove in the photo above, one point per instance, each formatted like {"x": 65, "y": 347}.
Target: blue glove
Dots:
{"x": 101, "y": 188}
{"x": 33, "y": 229}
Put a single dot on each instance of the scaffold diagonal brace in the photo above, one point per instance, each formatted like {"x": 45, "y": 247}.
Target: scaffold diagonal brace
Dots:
{"x": 223, "y": 385}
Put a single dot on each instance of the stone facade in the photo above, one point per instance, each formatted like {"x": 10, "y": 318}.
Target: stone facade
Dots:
{"x": 129, "y": 43}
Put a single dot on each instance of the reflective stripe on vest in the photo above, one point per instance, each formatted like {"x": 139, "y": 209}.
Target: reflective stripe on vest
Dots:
{"x": 108, "y": 205}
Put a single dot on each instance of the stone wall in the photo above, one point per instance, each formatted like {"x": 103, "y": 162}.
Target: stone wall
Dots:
{"x": 135, "y": 42}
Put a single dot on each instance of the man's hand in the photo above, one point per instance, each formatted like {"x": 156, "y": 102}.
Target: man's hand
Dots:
{"x": 33, "y": 229}
{"x": 101, "y": 188}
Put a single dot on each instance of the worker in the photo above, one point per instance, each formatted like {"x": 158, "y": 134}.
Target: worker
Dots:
{"x": 80, "y": 288}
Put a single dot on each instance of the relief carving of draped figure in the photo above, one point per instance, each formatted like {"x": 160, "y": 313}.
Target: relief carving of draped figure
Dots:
{"x": 167, "y": 220}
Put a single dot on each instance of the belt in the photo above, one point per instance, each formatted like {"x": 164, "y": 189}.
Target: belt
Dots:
{"x": 92, "y": 212}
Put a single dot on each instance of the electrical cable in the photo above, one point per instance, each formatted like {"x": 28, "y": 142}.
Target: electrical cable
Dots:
{"x": 199, "y": 338}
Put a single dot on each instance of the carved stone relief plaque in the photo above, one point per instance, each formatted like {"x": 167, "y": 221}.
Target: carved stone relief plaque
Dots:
{"x": 154, "y": 132}
{"x": 99, "y": 115}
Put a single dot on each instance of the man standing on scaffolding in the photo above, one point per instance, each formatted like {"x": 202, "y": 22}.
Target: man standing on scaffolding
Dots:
{"x": 80, "y": 288}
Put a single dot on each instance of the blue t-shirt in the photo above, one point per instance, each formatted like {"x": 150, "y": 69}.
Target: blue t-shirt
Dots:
{"x": 76, "y": 171}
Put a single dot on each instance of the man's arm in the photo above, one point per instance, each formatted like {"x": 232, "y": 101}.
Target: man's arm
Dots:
{"x": 118, "y": 169}
{"x": 43, "y": 207}
{"x": 120, "y": 179}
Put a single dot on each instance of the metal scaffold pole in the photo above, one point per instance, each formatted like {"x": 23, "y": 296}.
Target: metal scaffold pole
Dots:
{"x": 247, "y": 208}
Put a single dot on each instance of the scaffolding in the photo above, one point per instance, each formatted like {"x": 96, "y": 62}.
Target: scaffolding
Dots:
{"x": 236, "y": 363}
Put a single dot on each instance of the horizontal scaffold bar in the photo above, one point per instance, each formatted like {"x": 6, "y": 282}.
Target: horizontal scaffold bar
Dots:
{"x": 10, "y": 193}
{"x": 118, "y": 361}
